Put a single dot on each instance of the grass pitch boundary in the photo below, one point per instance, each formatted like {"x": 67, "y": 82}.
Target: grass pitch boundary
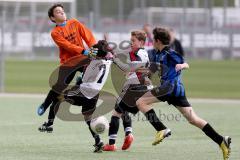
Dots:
{"x": 194, "y": 100}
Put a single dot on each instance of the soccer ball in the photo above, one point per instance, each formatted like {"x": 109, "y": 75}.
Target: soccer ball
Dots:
{"x": 99, "y": 125}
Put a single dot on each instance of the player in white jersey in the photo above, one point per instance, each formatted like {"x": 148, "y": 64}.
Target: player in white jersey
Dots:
{"x": 86, "y": 95}
{"x": 93, "y": 80}
{"x": 136, "y": 85}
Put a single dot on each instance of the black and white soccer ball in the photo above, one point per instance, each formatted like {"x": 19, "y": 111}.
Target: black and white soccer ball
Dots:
{"x": 99, "y": 125}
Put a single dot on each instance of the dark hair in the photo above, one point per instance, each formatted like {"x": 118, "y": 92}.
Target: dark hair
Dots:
{"x": 102, "y": 47}
{"x": 139, "y": 34}
{"x": 162, "y": 34}
{"x": 51, "y": 9}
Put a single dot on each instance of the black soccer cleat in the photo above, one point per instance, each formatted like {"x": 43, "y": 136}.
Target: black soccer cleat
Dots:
{"x": 98, "y": 147}
{"x": 45, "y": 127}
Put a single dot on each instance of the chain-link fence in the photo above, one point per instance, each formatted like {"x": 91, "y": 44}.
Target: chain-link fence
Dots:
{"x": 207, "y": 28}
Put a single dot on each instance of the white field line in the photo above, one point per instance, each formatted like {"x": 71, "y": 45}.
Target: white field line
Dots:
{"x": 21, "y": 95}
{"x": 194, "y": 100}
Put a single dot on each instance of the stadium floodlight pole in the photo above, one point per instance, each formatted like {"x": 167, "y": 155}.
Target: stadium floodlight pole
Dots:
{"x": 2, "y": 57}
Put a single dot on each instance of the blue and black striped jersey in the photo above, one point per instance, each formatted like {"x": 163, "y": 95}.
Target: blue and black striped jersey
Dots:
{"x": 165, "y": 62}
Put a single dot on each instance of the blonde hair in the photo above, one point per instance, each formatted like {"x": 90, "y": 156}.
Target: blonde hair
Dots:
{"x": 139, "y": 34}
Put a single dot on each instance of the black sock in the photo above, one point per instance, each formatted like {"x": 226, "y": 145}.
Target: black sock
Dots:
{"x": 113, "y": 129}
{"x": 94, "y": 135}
{"x": 52, "y": 112}
{"x": 52, "y": 95}
{"x": 153, "y": 119}
{"x": 211, "y": 133}
{"x": 127, "y": 123}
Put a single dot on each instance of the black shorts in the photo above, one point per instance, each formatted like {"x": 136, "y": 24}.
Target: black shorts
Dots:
{"x": 88, "y": 105}
{"x": 62, "y": 77}
{"x": 122, "y": 108}
{"x": 180, "y": 101}
{"x": 128, "y": 101}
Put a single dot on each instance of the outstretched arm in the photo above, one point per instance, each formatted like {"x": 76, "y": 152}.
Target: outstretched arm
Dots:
{"x": 128, "y": 67}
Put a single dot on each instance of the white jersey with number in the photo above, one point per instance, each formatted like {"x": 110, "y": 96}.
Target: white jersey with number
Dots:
{"x": 95, "y": 77}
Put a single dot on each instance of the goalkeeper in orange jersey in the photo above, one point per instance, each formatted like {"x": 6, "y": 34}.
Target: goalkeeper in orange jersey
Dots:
{"x": 68, "y": 34}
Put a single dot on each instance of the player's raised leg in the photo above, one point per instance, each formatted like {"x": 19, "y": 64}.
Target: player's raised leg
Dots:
{"x": 49, "y": 99}
{"x": 143, "y": 104}
{"x": 194, "y": 119}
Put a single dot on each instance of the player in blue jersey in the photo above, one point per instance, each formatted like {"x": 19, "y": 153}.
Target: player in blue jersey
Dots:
{"x": 171, "y": 90}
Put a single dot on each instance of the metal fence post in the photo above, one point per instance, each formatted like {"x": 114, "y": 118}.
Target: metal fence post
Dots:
{"x": 2, "y": 57}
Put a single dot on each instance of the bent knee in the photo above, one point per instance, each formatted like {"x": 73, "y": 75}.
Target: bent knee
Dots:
{"x": 192, "y": 121}
{"x": 140, "y": 102}
{"x": 116, "y": 114}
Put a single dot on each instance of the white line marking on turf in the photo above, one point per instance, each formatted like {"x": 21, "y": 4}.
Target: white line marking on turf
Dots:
{"x": 194, "y": 100}
{"x": 17, "y": 124}
{"x": 21, "y": 95}
{"x": 206, "y": 100}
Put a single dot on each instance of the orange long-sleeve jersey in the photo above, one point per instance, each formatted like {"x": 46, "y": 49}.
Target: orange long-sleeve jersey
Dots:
{"x": 69, "y": 38}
